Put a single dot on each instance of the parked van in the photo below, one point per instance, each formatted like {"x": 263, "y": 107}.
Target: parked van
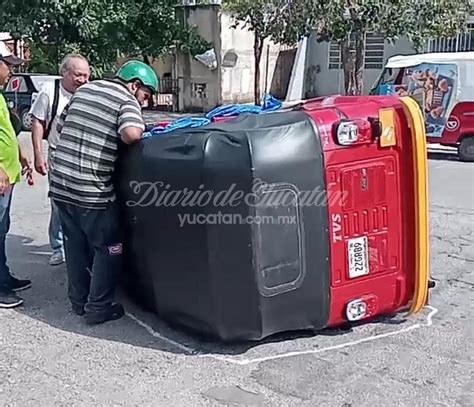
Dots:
{"x": 443, "y": 85}
{"x": 21, "y": 92}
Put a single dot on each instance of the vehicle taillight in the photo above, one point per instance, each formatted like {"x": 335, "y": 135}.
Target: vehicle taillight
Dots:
{"x": 354, "y": 132}
{"x": 362, "y": 308}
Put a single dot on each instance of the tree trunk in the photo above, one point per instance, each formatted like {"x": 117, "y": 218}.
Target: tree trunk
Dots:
{"x": 359, "y": 63}
{"x": 152, "y": 100}
{"x": 257, "y": 49}
{"x": 347, "y": 61}
{"x": 15, "y": 47}
{"x": 353, "y": 64}
{"x": 146, "y": 59}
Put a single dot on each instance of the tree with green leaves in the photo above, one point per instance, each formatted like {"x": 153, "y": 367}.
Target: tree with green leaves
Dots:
{"x": 102, "y": 30}
{"x": 347, "y": 22}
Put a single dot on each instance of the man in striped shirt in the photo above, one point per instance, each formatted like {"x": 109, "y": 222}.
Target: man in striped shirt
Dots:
{"x": 100, "y": 115}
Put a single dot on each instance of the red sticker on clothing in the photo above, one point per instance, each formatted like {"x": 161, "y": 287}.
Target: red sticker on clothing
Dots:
{"x": 115, "y": 249}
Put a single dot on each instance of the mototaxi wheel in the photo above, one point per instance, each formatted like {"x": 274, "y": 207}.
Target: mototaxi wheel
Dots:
{"x": 466, "y": 149}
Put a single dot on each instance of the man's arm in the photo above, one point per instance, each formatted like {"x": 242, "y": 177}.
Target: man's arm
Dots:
{"x": 37, "y": 133}
{"x": 130, "y": 135}
{"x": 24, "y": 161}
{"x": 130, "y": 122}
{"x": 39, "y": 112}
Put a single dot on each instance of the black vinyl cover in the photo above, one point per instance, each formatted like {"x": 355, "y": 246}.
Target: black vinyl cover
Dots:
{"x": 207, "y": 266}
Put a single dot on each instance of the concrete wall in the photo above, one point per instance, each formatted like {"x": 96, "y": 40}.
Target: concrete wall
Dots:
{"x": 238, "y": 82}
{"x": 321, "y": 81}
{"x": 227, "y": 84}
{"x": 200, "y": 87}
{"x": 163, "y": 65}
{"x": 19, "y": 47}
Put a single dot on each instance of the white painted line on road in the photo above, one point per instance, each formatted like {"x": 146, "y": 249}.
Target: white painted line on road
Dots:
{"x": 429, "y": 322}
{"x": 157, "y": 335}
{"x": 429, "y": 318}
{"x": 243, "y": 362}
{"x": 308, "y": 352}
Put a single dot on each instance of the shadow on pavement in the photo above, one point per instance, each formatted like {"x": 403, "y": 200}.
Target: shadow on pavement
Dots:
{"x": 47, "y": 302}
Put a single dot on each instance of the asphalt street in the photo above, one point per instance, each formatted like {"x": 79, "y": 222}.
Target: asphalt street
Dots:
{"x": 48, "y": 357}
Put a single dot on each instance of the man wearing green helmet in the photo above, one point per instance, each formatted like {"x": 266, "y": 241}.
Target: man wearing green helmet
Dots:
{"x": 100, "y": 115}
{"x": 141, "y": 79}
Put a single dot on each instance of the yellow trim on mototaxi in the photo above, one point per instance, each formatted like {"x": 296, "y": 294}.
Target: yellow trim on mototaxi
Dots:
{"x": 416, "y": 121}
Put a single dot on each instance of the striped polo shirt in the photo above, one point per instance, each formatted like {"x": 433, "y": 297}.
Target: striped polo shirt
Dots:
{"x": 84, "y": 160}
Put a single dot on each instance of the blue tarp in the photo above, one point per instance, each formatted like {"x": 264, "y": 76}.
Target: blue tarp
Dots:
{"x": 270, "y": 104}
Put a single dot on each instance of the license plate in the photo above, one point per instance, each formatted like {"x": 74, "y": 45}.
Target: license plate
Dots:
{"x": 358, "y": 258}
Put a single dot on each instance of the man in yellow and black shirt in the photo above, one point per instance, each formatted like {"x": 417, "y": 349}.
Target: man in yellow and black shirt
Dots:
{"x": 12, "y": 163}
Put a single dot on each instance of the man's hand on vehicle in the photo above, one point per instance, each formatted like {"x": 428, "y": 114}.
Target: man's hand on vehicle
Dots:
{"x": 131, "y": 135}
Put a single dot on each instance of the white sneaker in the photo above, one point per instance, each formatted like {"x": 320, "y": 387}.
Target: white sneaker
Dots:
{"x": 56, "y": 259}
{"x": 10, "y": 300}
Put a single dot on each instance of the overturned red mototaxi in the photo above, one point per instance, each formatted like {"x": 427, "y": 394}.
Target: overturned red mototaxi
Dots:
{"x": 305, "y": 218}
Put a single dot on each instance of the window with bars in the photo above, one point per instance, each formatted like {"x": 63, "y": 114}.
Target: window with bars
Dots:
{"x": 463, "y": 42}
{"x": 374, "y": 52}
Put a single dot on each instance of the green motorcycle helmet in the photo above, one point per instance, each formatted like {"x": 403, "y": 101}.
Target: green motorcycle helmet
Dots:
{"x": 135, "y": 69}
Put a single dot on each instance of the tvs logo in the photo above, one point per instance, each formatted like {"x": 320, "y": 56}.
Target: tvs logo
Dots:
{"x": 336, "y": 227}
{"x": 452, "y": 124}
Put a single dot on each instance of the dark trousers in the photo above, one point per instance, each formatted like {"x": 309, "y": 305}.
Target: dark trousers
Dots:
{"x": 5, "y": 204}
{"x": 93, "y": 246}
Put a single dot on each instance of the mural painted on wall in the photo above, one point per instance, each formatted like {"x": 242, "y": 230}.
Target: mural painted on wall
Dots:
{"x": 433, "y": 87}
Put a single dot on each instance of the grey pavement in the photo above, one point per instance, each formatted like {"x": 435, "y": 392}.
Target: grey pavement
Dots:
{"x": 48, "y": 357}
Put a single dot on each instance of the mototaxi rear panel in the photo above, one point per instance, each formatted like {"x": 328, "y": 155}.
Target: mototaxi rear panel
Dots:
{"x": 227, "y": 226}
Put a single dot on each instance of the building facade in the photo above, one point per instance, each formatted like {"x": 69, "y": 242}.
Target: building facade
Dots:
{"x": 18, "y": 47}
{"x": 225, "y": 73}
{"x": 323, "y": 74}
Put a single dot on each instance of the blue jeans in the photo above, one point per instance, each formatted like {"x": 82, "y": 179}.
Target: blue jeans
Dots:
{"x": 93, "y": 244}
{"x": 56, "y": 239}
{"x": 5, "y": 203}
{"x": 55, "y": 230}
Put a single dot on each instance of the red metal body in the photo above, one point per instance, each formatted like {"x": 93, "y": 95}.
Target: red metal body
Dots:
{"x": 459, "y": 125}
{"x": 222, "y": 119}
{"x": 163, "y": 123}
{"x": 376, "y": 194}
{"x": 376, "y": 183}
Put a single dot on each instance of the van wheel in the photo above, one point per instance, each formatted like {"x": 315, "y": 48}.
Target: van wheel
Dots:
{"x": 26, "y": 120}
{"x": 466, "y": 149}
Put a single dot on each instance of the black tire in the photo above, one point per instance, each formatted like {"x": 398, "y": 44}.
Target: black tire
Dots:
{"x": 466, "y": 149}
{"x": 25, "y": 120}
{"x": 16, "y": 122}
